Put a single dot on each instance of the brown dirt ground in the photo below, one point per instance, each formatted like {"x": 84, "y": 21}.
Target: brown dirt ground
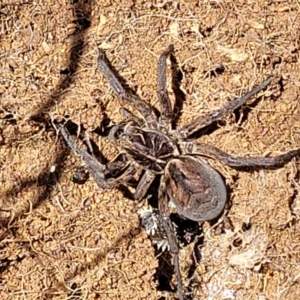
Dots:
{"x": 60, "y": 240}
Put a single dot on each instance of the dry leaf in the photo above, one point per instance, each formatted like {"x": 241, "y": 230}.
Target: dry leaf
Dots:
{"x": 256, "y": 25}
{"x": 102, "y": 21}
{"x": 174, "y": 28}
{"x": 234, "y": 54}
{"x": 46, "y": 47}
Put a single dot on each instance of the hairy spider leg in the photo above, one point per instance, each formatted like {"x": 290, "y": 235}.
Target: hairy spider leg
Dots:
{"x": 165, "y": 118}
{"x": 163, "y": 96}
{"x": 236, "y": 161}
{"x": 95, "y": 168}
{"x": 220, "y": 113}
{"x": 144, "y": 184}
{"x": 133, "y": 100}
{"x": 99, "y": 171}
{"x": 127, "y": 115}
{"x": 169, "y": 230}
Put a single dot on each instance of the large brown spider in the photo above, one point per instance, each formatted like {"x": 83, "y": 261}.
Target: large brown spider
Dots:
{"x": 149, "y": 142}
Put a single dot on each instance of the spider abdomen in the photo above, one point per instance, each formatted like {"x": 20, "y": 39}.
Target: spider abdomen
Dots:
{"x": 197, "y": 190}
{"x": 149, "y": 148}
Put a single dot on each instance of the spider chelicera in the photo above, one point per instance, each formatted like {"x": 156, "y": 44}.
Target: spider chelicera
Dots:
{"x": 149, "y": 142}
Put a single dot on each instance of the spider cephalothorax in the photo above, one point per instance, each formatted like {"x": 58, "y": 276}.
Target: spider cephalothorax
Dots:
{"x": 149, "y": 143}
{"x": 150, "y": 148}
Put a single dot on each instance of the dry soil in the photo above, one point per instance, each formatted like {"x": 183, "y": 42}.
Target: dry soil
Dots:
{"x": 60, "y": 240}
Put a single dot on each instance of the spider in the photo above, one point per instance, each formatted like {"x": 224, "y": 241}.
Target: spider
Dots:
{"x": 149, "y": 142}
